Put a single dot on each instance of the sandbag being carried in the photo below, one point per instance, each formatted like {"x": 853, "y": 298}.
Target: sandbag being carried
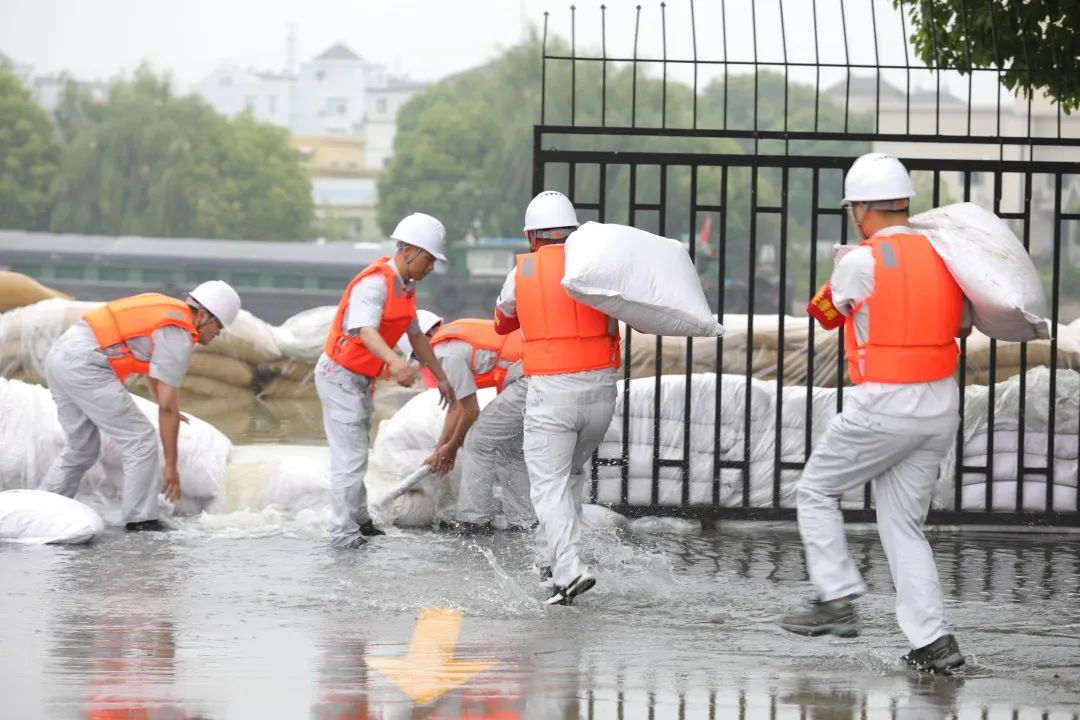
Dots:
{"x": 36, "y": 517}
{"x": 645, "y": 280}
{"x": 991, "y": 267}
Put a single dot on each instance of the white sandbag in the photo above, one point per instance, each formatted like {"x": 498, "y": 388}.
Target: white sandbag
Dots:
{"x": 302, "y": 336}
{"x": 248, "y": 338}
{"x": 28, "y": 333}
{"x": 38, "y": 517}
{"x": 991, "y": 267}
{"x": 401, "y": 446}
{"x": 31, "y": 438}
{"x": 291, "y": 478}
{"x": 645, "y": 280}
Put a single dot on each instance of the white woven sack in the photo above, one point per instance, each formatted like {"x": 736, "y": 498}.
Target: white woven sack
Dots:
{"x": 991, "y": 267}
{"x": 645, "y": 280}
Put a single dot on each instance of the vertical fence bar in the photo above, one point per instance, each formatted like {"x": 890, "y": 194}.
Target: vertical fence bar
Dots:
{"x": 751, "y": 281}
{"x": 721, "y": 256}
{"x": 603, "y": 66}
{"x": 958, "y": 480}
{"x": 847, "y": 65}
{"x": 693, "y": 39}
{"x": 633, "y": 83}
{"x": 688, "y": 376}
{"x": 626, "y": 362}
{"x": 723, "y": 34}
{"x": 1021, "y": 409}
{"x": 937, "y": 69}
{"x": 663, "y": 81}
{"x": 811, "y": 348}
{"x": 967, "y": 56}
{"x": 1051, "y": 413}
{"x": 658, "y": 388}
{"x": 907, "y": 70}
{"x": 573, "y": 66}
{"x": 877, "y": 65}
{"x": 778, "y": 455}
{"x": 991, "y": 390}
{"x": 817, "y": 76}
{"x": 543, "y": 74}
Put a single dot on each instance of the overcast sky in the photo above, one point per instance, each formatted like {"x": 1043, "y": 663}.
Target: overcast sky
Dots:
{"x": 423, "y": 39}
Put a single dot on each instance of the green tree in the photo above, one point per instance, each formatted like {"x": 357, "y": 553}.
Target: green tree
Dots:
{"x": 146, "y": 162}
{"x": 29, "y": 154}
{"x": 1035, "y": 44}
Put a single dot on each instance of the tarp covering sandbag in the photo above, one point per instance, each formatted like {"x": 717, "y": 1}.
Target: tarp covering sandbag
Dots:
{"x": 992, "y": 268}
{"x": 36, "y": 517}
{"x": 1013, "y": 412}
{"x": 644, "y": 280}
{"x": 31, "y": 438}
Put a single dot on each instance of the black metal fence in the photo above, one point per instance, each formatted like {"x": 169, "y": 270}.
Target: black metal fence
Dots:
{"x": 757, "y": 148}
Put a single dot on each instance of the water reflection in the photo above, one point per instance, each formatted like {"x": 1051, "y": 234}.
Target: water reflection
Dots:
{"x": 177, "y": 627}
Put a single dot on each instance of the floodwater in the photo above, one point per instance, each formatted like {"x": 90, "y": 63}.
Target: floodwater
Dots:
{"x": 253, "y": 616}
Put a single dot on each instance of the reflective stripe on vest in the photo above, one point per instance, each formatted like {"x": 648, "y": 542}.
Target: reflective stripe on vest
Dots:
{"x": 481, "y": 335}
{"x": 561, "y": 335}
{"x": 399, "y": 311}
{"x": 118, "y": 321}
{"x": 913, "y": 315}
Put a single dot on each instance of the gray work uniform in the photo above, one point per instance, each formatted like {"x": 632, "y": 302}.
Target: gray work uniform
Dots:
{"x": 347, "y": 408}
{"x": 90, "y": 400}
{"x": 492, "y": 452}
{"x": 566, "y": 417}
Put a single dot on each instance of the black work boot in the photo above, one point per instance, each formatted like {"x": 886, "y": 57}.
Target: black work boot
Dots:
{"x": 471, "y": 528}
{"x": 822, "y": 617}
{"x": 566, "y": 595}
{"x": 145, "y": 526}
{"x": 941, "y": 656}
{"x": 369, "y": 529}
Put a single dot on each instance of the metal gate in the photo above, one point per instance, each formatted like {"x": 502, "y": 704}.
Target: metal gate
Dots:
{"x": 773, "y": 183}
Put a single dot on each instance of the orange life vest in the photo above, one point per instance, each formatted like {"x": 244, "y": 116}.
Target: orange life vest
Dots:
{"x": 482, "y": 336}
{"x": 398, "y": 313}
{"x": 914, "y": 313}
{"x": 116, "y": 322}
{"x": 561, "y": 335}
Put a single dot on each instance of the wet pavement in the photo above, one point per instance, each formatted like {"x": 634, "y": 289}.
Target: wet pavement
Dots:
{"x": 253, "y": 616}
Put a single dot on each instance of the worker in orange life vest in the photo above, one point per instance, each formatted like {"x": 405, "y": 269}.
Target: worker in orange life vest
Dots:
{"x": 376, "y": 309}
{"x": 149, "y": 334}
{"x": 901, "y": 310}
{"x": 570, "y": 356}
{"x": 476, "y": 357}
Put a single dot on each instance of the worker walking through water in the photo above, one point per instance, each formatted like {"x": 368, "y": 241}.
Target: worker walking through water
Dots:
{"x": 149, "y": 334}
{"x": 570, "y": 355}
{"x": 376, "y": 309}
{"x": 474, "y": 357}
{"x": 901, "y": 310}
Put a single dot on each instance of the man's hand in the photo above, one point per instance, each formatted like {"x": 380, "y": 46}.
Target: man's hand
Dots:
{"x": 403, "y": 373}
{"x": 172, "y": 484}
{"x": 446, "y": 393}
{"x": 443, "y": 459}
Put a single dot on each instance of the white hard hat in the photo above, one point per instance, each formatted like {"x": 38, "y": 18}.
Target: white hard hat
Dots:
{"x": 427, "y": 320}
{"x": 550, "y": 209}
{"x": 219, "y": 298}
{"x": 422, "y": 231}
{"x": 876, "y": 176}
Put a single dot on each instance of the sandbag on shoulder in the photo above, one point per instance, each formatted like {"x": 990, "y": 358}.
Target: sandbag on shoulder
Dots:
{"x": 991, "y": 267}
{"x": 645, "y": 280}
{"x": 36, "y": 517}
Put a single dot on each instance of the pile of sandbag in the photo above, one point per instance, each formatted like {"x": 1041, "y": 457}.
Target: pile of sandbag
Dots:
{"x": 1006, "y": 443}
{"x": 764, "y": 354}
{"x": 18, "y": 290}
{"x": 1007, "y": 355}
{"x": 31, "y": 438}
{"x": 727, "y": 431}
{"x": 27, "y": 333}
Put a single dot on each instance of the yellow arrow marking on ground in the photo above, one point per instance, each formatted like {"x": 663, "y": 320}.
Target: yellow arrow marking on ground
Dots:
{"x": 429, "y": 669}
